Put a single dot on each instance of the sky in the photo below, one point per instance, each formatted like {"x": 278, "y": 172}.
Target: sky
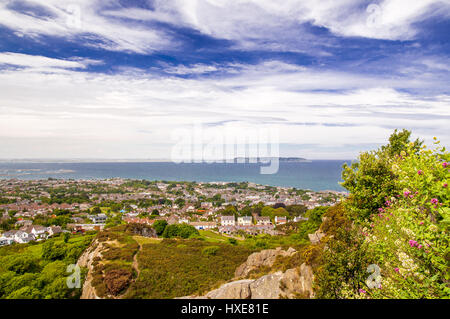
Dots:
{"x": 115, "y": 79}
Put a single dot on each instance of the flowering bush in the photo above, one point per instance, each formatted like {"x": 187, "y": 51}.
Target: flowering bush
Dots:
{"x": 409, "y": 236}
{"x": 405, "y": 233}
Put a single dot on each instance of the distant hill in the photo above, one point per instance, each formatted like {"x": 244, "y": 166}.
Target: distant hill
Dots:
{"x": 267, "y": 159}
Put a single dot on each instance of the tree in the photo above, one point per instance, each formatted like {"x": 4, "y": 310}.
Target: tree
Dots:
{"x": 66, "y": 237}
{"x": 159, "y": 226}
{"x": 371, "y": 180}
{"x": 96, "y": 210}
{"x": 183, "y": 231}
{"x": 398, "y": 142}
{"x": 267, "y": 211}
{"x": 53, "y": 251}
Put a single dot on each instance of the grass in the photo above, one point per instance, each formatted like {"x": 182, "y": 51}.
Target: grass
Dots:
{"x": 213, "y": 237}
{"x": 141, "y": 240}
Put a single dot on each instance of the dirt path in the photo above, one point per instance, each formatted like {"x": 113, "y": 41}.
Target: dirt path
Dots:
{"x": 135, "y": 264}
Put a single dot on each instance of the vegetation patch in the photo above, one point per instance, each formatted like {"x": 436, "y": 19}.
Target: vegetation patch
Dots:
{"x": 175, "y": 268}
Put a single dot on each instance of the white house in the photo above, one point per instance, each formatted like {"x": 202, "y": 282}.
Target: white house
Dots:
{"x": 39, "y": 231}
{"x": 22, "y": 237}
{"x": 227, "y": 220}
{"x": 53, "y": 230}
{"x": 5, "y": 241}
{"x": 279, "y": 220}
{"x": 203, "y": 225}
{"x": 99, "y": 219}
{"x": 245, "y": 220}
{"x": 263, "y": 220}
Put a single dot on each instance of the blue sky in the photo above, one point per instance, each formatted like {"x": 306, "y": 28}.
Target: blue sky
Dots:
{"x": 116, "y": 79}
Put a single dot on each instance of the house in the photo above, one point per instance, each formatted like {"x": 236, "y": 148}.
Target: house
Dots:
{"x": 299, "y": 218}
{"x": 24, "y": 222}
{"x": 137, "y": 220}
{"x": 37, "y": 231}
{"x": 5, "y": 241}
{"x": 227, "y": 221}
{"x": 263, "y": 220}
{"x": 245, "y": 220}
{"x": 280, "y": 220}
{"x": 54, "y": 230}
{"x": 9, "y": 234}
{"x": 206, "y": 205}
{"x": 85, "y": 227}
{"x": 230, "y": 229}
{"x": 98, "y": 219}
{"x": 203, "y": 225}
{"x": 22, "y": 237}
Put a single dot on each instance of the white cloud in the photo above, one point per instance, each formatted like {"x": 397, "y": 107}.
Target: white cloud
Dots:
{"x": 253, "y": 24}
{"x": 84, "y": 18}
{"x": 125, "y": 115}
{"x": 42, "y": 63}
{"x": 278, "y": 24}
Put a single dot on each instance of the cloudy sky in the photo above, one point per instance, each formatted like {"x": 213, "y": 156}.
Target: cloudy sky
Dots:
{"x": 117, "y": 78}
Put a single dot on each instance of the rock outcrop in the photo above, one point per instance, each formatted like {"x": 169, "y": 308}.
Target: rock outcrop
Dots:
{"x": 316, "y": 237}
{"x": 294, "y": 282}
{"x": 263, "y": 258}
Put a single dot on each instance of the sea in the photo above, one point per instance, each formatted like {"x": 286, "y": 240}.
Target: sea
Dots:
{"x": 317, "y": 175}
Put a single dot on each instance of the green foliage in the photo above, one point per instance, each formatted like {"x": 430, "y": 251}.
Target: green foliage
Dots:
{"x": 175, "y": 268}
{"x": 315, "y": 215}
{"x": 398, "y": 142}
{"x": 25, "y": 274}
{"x": 210, "y": 250}
{"x": 296, "y": 210}
{"x": 179, "y": 230}
{"x": 160, "y": 226}
{"x": 344, "y": 264}
{"x": 371, "y": 179}
{"x": 96, "y": 210}
{"x": 402, "y": 226}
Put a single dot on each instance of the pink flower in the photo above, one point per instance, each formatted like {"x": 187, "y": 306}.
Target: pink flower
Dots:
{"x": 419, "y": 247}
{"x": 421, "y": 223}
{"x": 444, "y": 165}
{"x": 434, "y": 201}
{"x": 412, "y": 243}
{"x": 380, "y": 210}
{"x": 397, "y": 270}
{"x": 362, "y": 291}
{"x": 420, "y": 172}
{"x": 406, "y": 193}
{"x": 445, "y": 185}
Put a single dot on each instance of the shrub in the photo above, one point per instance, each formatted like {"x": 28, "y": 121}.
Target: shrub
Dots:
{"x": 159, "y": 226}
{"x": 117, "y": 280}
{"x": 210, "y": 250}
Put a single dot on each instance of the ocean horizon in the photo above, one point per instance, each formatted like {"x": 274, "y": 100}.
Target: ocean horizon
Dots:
{"x": 315, "y": 175}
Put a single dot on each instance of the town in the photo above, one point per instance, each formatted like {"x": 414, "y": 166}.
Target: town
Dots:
{"x": 38, "y": 209}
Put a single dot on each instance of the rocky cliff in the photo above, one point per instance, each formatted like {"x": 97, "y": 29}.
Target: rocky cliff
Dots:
{"x": 292, "y": 283}
{"x": 86, "y": 260}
